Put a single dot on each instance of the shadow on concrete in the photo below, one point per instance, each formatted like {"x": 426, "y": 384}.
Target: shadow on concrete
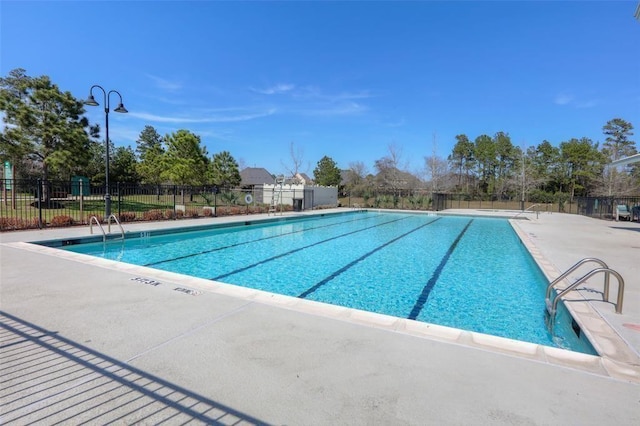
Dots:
{"x": 49, "y": 379}
{"x": 625, "y": 228}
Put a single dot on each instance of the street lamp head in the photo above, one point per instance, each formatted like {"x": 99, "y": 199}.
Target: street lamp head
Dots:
{"x": 91, "y": 101}
{"x": 121, "y": 109}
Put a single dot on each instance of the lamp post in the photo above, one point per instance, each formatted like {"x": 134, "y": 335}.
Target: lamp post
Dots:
{"x": 523, "y": 181}
{"x": 92, "y": 102}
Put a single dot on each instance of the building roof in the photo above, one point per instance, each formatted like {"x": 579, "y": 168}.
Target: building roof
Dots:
{"x": 305, "y": 177}
{"x": 255, "y": 176}
{"x": 628, "y": 160}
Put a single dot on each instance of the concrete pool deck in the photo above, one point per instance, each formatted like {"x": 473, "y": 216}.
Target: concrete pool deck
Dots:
{"x": 89, "y": 340}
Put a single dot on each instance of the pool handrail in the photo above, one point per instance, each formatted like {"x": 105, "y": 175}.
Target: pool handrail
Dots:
{"x": 104, "y": 234}
{"x": 573, "y": 268}
{"x": 530, "y": 207}
{"x": 553, "y": 304}
{"x": 117, "y": 222}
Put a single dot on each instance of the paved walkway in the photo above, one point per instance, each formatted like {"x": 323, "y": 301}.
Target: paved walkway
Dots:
{"x": 87, "y": 340}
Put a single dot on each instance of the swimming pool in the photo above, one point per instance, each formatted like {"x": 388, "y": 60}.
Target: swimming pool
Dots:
{"x": 470, "y": 273}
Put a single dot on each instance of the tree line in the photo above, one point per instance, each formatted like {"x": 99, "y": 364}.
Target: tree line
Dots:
{"x": 46, "y": 135}
{"x": 494, "y": 166}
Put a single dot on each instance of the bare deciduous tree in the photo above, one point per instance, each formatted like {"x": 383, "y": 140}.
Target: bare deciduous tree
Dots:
{"x": 296, "y": 156}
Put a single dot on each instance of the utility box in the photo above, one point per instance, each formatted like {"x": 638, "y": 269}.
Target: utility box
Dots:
{"x": 297, "y": 204}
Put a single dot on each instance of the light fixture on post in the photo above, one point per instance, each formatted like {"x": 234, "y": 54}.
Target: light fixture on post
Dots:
{"x": 91, "y": 101}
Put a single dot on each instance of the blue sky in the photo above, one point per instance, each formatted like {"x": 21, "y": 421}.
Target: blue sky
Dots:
{"x": 343, "y": 79}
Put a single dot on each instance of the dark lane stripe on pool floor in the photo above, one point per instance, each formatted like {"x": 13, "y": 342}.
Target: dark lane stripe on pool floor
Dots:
{"x": 417, "y": 308}
{"x": 364, "y": 256}
{"x": 262, "y": 262}
{"x": 256, "y": 240}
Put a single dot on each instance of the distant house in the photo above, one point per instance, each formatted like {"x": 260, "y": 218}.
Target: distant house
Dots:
{"x": 627, "y": 160}
{"x": 255, "y": 176}
{"x": 299, "y": 179}
{"x": 303, "y": 179}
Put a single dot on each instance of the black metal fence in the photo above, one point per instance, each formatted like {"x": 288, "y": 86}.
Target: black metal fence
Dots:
{"x": 28, "y": 204}
{"x": 427, "y": 200}
{"x": 38, "y": 203}
{"x": 596, "y": 207}
{"x": 442, "y": 201}
{"x": 398, "y": 199}
{"x": 605, "y": 207}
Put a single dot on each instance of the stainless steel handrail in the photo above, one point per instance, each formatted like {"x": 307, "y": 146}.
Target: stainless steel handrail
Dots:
{"x": 573, "y": 268}
{"x": 117, "y": 222}
{"x": 553, "y": 306}
{"x": 531, "y": 206}
{"x": 104, "y": 236}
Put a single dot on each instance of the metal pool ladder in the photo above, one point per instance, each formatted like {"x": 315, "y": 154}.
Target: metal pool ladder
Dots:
{"x": 104, "y": 234}
{"x": 604, "y": 269}
{"x": 528, "y": 208}
{"x": 276, "y": 198}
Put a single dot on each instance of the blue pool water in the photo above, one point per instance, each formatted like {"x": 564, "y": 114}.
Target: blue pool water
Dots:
{"x": 466, "y": 272}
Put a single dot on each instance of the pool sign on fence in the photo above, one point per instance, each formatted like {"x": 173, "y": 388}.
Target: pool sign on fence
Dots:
{"x": 8, "y": 175}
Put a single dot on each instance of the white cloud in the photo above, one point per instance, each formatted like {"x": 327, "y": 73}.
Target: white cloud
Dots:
{"x": 275, "y": 90}
{"x": 563, "y": 99}
{"x": 345, "y": 108}
{"x": 164, "y": 84}
{"x": 313, "y": 101}
{"x": 398, "y": 123}
{"x": 571, "y": 100}
{"x": 313, "y": 92}
{"x": 124, "y": 135}
{"x": 588, "y": 104}
{"x": 213, "y": 118}
{"x": 363, "y": 94}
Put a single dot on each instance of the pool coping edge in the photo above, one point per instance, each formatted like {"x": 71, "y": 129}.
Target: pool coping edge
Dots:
{"x": 616, "y": 353}
{"x": 609, "y": 365}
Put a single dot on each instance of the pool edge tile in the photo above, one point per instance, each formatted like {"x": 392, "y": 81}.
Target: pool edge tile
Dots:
{"x": 505, "y": 345}
{"x": 566, "y": 358}
{"x": 611, "y": 368}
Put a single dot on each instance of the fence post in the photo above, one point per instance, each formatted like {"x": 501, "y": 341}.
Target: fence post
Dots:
{"x": 39, "y": 195}
{"x": 175, "y": 190}
{"x": 119, "y": 199}
{"x": 81, "y": 202}
{"x": 559, "y": 204}
{"x": 14, "y": 188}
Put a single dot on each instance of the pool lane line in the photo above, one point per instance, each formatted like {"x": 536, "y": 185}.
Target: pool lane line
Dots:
{"x": 255, "y": 241}
{"x": 364, "y": 256}
{"x": 278, "y": 256}
{"x": 422, "y": 299}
